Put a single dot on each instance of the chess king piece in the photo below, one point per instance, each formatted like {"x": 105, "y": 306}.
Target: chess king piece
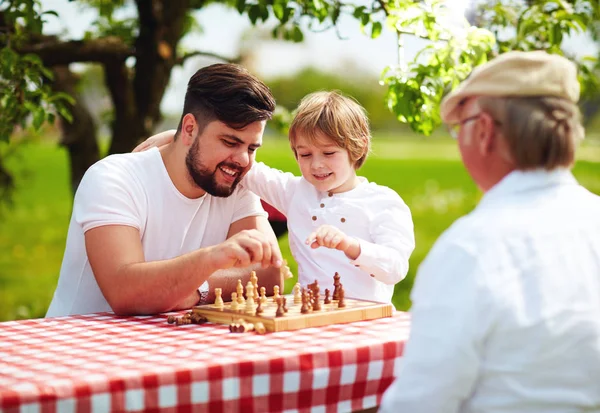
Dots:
{"x": 336, "y": 286}
{"x": 250, "y": 298}
{"x": 218, "y": 298}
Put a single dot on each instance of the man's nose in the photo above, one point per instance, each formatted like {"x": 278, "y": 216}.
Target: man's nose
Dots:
{"x": 242, "y": 158}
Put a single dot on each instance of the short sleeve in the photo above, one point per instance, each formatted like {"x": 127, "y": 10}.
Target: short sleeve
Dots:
{"x": 108, "y": 195}
{"x": 247, "y": 205}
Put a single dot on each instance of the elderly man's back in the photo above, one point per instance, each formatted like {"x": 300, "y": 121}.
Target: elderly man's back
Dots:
{"x": 538, "y": 236}
{"x": 510, "y": 299}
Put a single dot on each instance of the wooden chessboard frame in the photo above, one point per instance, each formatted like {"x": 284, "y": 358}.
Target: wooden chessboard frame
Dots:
{"x": 329, "y": 314}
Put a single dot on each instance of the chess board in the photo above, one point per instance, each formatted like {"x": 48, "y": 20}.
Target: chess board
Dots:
{"x": 355, "y": 310}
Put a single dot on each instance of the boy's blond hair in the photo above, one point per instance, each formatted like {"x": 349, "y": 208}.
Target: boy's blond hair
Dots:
{"x": 338, "y": 117}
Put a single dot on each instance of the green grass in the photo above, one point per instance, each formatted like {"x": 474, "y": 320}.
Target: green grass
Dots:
{"x": 427, "y": 173}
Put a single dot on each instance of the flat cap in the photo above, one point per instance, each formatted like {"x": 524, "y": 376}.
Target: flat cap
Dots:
{"x": 516, "y": 74}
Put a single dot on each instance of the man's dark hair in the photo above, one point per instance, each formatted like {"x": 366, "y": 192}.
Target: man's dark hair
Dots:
{"x": 228, "y": 93}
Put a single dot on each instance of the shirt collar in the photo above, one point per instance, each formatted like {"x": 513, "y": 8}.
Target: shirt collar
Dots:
{"x": 525, "y": 181}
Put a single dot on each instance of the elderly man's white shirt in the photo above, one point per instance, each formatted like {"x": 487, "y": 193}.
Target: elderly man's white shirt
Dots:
{"x": 374, "y": 214}
{"x": 135, "y": 189}
{"x": 506, "y": 307}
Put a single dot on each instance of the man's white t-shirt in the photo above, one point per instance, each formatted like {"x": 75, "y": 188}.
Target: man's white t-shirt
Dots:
{"x": 135, "y": 189}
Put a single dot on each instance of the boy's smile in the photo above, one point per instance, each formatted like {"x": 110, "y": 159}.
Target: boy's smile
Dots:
{"x": 325, "y": 165}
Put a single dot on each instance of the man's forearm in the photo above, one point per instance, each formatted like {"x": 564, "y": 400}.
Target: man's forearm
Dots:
{"x": 227, "y": 280}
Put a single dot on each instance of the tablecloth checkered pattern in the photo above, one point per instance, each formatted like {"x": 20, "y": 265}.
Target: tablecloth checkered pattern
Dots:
{"x": 102, "y": 362}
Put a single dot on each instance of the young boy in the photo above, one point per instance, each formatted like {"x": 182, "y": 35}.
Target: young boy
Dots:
{"x": 337, "y": 221}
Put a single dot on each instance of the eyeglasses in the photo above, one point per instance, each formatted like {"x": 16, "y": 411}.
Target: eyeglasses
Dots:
{"x": 454, "y": 129}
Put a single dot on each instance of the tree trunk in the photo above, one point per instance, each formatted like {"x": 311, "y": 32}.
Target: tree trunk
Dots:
{"x": 78, "y": 136}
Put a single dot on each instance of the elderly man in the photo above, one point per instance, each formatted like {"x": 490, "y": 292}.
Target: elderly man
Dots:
{"x": 506, "y": 307}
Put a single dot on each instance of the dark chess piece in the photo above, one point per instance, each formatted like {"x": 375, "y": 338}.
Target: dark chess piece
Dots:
{"x": 285, "y": 309}
{"x": 259, "y": 308}
{"x": 279, "y": 312}
{"x": 342, "y": 293}
{"x": 327, "y": 299}
{"x": 316, "y": 297}
{"x": 304, "y": 307}
{"x": 336, "y": 286}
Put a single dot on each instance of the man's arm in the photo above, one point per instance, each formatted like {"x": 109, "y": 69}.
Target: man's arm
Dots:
{"x": 267, "y": 277}
{"x": 133, "y": 286}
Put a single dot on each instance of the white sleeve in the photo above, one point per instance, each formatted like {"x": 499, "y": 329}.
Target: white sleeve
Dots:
{"x": 247, "y": 205}
{"x": 392, "y": 231}
{"x": 439, "y": 366}
{"x": 108, "y": 195}
{"x": 272, "y": 185}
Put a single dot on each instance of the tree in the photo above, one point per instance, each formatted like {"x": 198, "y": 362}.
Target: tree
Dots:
{"x": 31, "y": 91}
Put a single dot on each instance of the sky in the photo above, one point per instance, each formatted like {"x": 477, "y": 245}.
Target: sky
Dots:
{"x": 223, "y": 28}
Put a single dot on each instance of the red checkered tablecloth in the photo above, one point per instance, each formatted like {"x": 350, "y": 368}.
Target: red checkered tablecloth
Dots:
{"x": 102, "y": 363}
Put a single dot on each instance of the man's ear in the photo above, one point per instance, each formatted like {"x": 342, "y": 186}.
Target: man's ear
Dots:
{"x": 189, "y": 126}
{"x": 487, "y": 135}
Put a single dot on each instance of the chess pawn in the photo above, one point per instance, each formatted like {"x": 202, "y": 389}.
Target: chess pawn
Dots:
{"x": 327, "y": 299}
{"x": 297, "y": 294}
{"x": 259, "y": 308}
{"x": 218, "y": 298}
{"x": 249, "y": 298}
{"x": 263, "y": 295}
{"x": 276, "y": 293}
{"x": 284, "y": 305}
{"x": 304, "y": 307}
{"x": 240, "y": 293}
{"x": 280, "y": 311}
{"x": 234, "y": 302}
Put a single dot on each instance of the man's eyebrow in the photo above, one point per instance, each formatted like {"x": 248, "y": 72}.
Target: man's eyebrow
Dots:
{"x": 240, "y": 141}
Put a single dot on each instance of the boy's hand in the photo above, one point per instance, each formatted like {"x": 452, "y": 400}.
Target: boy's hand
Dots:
{"x": 331, "y": 237}
{"x": 159, "y": 140}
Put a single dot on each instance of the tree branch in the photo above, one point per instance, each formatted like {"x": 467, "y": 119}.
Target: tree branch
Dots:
{"x": 182, "y": 59}
{"x": 54, "y": 52}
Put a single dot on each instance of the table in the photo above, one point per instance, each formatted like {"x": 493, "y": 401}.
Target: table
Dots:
{"x": 103, "y": 362}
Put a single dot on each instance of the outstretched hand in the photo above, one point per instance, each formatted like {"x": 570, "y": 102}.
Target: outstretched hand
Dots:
{"x": 329, "y": 236}
{"x": 246, "y": 248}
{"x": 158, "y": 140}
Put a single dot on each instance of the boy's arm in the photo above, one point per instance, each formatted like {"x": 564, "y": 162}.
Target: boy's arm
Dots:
{"x": 272, "y": 185}
{"x": 392, "y": 231}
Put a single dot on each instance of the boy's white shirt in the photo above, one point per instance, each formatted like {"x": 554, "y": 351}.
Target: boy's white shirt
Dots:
{"x": 374, "y": 214}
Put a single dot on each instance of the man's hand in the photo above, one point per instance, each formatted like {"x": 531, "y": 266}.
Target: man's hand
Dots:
{"x": 245, "y": 248}
{"x": 331, "y": 237}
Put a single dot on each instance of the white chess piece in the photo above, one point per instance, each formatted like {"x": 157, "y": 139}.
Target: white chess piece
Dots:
{"x": 218, "y": 298}
{"x": 297, "y": 293}
{"x": 250, "y": 297}
{"x": 234, "y": 302}
{"x": 275, "y": 293}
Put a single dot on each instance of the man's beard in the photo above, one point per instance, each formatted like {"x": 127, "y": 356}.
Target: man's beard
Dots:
{"x": 206, "y": 179}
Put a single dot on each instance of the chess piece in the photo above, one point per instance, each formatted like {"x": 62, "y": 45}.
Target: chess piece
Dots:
{"x": 285, "y": 271}
{"x": 279, "y": 312}
{"x": 304, "y": 307}
{"x": 327, "y": 299}
{"x": 276, "y": 293}
{"x": 249, "y": 298}
{"x": 240, "y": 293}
{"x": 336, "y": 286}
{"x": 254, "y": 280}
{"x": 263, "y": 295}
{"x": 218, "y": 298}
{"x": 285, "y": 309}
{"x": 316, "y": 296}
{"x": 234, "y": 302}
{"x": 341, "y": 294}
{"x": 297, "y": 293}
{"x": 260, "y": 328}
{"x": 259, "y": 308}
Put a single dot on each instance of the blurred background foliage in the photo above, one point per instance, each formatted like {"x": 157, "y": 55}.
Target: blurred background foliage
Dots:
{"x": 58, "y": 118}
